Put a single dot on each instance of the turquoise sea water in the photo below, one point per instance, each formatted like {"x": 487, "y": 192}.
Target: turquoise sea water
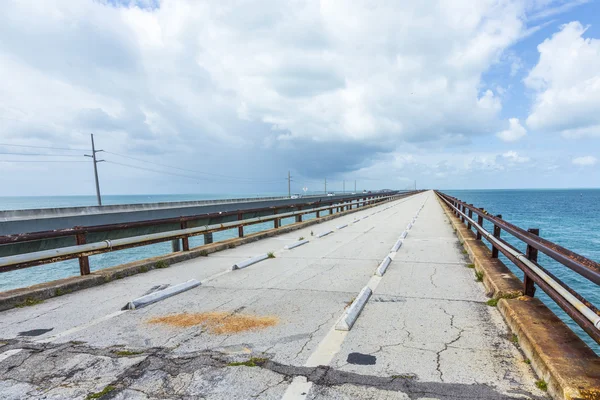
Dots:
{"x": 570, "y": 218}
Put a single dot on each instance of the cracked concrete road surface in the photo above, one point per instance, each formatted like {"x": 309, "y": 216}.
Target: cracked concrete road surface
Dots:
{"x": 425, "y": 333}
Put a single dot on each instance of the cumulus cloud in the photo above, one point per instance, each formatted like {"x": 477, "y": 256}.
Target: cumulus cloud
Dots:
{"x": 514, "y": 157}
{"x": 585, "y": 161}
{"x": 566, "y": 84}
{"x": 319, "y": 87}
{"x": 514, "y": 132}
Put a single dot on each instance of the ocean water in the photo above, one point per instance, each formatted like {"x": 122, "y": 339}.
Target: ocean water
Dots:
{"x": 65, "y": 269}
{"x": 570, "y": 218}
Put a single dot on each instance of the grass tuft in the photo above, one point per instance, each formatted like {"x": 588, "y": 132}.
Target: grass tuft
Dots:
{"x": 203, "y": 253}
{"x": 271, "y": 254}
{"x": 144, "y": 268}
{"x": 514, "y": 338}
{"x": 478, "y": 276}
{"x": 470, "y": 265}
{"x": 492, "y": 302}
{"x": 527, "y": 361}
{"x": 97, "y": 395}
{"x": 161, "y": 264}
{"x": 464, "y": 252}
{"x": 301, "y": 238}
{"x": 231, "y": 245}
{"x": 253, "y": 362}
{"x": 542, "y": 385}
{"x": 30, "y": 301}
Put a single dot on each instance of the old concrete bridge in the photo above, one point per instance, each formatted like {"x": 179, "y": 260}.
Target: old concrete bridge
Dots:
{"x": 383, "y": 301}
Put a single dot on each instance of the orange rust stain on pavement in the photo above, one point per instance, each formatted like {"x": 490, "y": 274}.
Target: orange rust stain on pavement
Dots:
{"x": 218, "y": 323}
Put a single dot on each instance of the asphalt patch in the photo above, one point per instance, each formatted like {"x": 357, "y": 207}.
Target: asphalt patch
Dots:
{"x": 35, "y": 332}
{"x": 361, "y": 359}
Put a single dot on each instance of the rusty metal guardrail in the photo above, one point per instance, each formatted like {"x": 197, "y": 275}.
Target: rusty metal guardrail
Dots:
{"x": 584, "y": 313}
{"x": 83, "y": 250}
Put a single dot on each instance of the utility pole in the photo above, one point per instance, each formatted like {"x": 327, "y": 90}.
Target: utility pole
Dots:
{"x": 289, "y": 185}
{"x": 325, "y": 185}
{"x": 96, "y": 161}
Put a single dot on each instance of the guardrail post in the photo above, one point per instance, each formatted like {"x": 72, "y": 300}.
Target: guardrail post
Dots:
{"x": 497, "y": 235}
{"x": 186, "y": 240}
{"x": 208, "y": 238}
{"x": 276, "y": 220}
{"x": 299, "y": 216}
{"x": 318, "y": 214}
{"x": 175, "y": 247}
{"x": 240, "y": 228}
{"x": 471, "y": 217}
{"x": 480, "y": 223}
{"x": 84, "y": 261}
{"x": 532, "y": 255}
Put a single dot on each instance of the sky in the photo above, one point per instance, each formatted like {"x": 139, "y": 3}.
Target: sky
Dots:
{"x": 191, "y": 96}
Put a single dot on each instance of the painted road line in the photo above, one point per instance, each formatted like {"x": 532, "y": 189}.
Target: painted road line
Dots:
{"x": 161, "y": 294}
{"x": 351, "y": 314}
{"x": 342, "y": 226}
{"x": 250, "y": 261}
{"x": 295, "y": 244}
{"x": 383, "y": 266}
{"x": 80, "y": 327}
{"x": 322, "y": 234}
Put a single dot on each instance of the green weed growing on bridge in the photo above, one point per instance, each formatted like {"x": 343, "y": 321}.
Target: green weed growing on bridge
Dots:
{"x": 253, "y": 362}
{"x": 30, "y": 301}
{"x": 161, "y": 264}
{"x": 478, "y": 276}
{"x": 541, "y": 384}
{"x": 271, "y": 254}
{"x": 97, "y": 395}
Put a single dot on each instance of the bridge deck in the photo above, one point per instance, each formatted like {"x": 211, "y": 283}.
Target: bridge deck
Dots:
{"x": 426, "y": 332}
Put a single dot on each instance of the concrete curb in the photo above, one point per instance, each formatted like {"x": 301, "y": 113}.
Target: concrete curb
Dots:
{"x": 18, "y": 297}
{"x": 161, "y": 295}
{"x": 569, "y": 367}
{"x": 397, "y": 245}
{"x": 322, "y": 234}
{"x": 351, "y": 314}
{"x": 341, "y": 226}
{"x": 403, "y": 235}
{"x": 383, "y": 266}
{"x": 295, "y": 244}
{"x": 249, "y": 261}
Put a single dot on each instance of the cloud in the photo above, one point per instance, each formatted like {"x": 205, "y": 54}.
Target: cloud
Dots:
{"x": 514, "y": 132}
{"x": 585, "y": 161}
{"x": 566, "y": 84}
{"x": 514, "y": 157}
{"x": 257, "y": 88}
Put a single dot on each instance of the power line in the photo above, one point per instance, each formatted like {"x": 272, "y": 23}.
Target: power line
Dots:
{"x": 175, "y": 174}
{"x": 43, "y": 161}
{"x": 42, "y": 147}
{"x": 40, "y": 154}
{"x": 196, "y": 172}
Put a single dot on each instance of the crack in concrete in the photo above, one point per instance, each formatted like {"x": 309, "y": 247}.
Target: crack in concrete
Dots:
{"x": 431, "y": 277}
{"x": 447, "y": 345}
{"x": 311, "y": 334}
{"x": 164, "y": 361}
